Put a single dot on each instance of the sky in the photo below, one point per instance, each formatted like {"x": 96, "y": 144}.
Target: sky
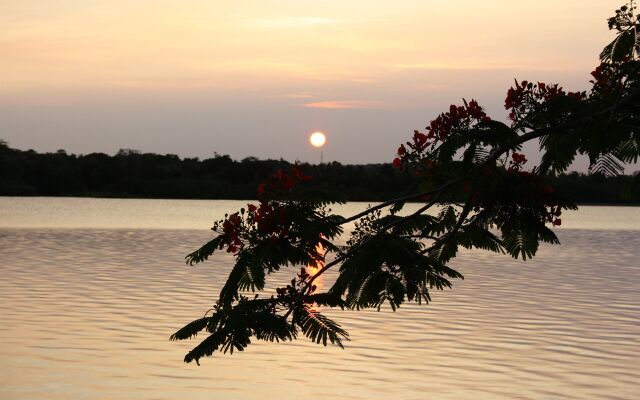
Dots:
{"x": 255, "y": 78}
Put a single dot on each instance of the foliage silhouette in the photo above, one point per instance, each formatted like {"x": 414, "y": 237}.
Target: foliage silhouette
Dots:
{"x": 466, "y": 163}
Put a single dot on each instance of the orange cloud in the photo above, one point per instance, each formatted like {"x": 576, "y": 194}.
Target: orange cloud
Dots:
{"x": 299, "y": 96}
{"x": 345, "y": 104}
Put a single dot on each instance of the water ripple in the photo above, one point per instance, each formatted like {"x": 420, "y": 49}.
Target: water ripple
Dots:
{"x": 86, "y": 313}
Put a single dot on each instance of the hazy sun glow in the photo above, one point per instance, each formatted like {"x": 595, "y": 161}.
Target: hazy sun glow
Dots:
{"x": 317, "y": 139}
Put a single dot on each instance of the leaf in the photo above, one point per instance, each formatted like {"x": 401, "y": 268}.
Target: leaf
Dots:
{"x": 319, "y": 328}
{"x": 623, "y": 45}
{"x": 519, "y": 242}
{"x": 237, "y": 275}
{"x": 494, "y": 133}
{"x": 320, "y": 197}
{"x": 473, "y": 235}
{"x": 254, "y": 276}
{"x": 605, "y": 54}
{"x": 394, "y": 292}
{"x": 191, "y": 329}
{"x": 327, "y": 299}
{"x": 620, "y": 48}
{"x": 396, "y": 207}
{"x": 522, "y": 233}
{"x": 205, "y": 348}
{"x": 272, "y": 327}
{"x": 446, "y": 251}
{"x": 358, "y": 296}
{"x": 438, "y": 282}
{"x": 547, "y": 235}
{"x": 606, "y": 164}
{"x": 629, "y": 150}
{"x": 203, "y": 253}
{"x": 446, "y": 220}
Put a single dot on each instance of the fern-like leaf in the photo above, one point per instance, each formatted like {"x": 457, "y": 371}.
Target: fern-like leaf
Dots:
{"x": 203, "y": 253}
{"x": 321, "y": 329}
{"x": 191, "y": 329}
{"x": 606, "y": 164}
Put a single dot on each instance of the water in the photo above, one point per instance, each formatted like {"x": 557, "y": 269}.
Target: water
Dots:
{"x": 91, "y": 289}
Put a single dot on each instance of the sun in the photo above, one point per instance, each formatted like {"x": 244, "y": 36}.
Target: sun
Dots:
{"x": 317, "y": 139}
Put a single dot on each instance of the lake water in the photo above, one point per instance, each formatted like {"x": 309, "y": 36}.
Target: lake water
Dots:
{"x": 91, "y": 289}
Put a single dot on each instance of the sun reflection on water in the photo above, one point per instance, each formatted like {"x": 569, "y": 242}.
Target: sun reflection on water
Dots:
{"x": 313, "y": 269}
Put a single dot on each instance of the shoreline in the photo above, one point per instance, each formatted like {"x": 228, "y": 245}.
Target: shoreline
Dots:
{"x": 122, "y": 197}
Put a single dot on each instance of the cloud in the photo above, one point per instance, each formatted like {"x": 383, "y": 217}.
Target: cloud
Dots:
{"x": 473, "y": 65}
{"x": 345, "y": 104}
{"x": 299, "y": 96}
{"x": 293, "y": 22}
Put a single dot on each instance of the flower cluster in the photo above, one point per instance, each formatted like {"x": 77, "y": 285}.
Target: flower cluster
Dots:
{"x": 528, "y": 96}
{"x": 624, "y": 18}
{"x": 605, "y": 80}
{"x": 517, "y": 161}
{"x": 232, "y": 227}
{"x": 268, "y": 219}
{"x": 600, "y": 76}
{"x": 282, "y": 181}
{"x": 458, "y": 118}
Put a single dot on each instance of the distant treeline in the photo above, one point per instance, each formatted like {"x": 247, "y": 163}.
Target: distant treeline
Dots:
{"x": 130, "y": 173}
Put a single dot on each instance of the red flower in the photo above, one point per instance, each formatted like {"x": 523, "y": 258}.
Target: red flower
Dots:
{"x": 519, "y": 158}
{"x": 527, "y": 96}
{"x": 420, "y": 140}
{"x": 297, "y": 174}
{"x": 457, "y": 118}
{"x": 517, "y": 161}
{"x": 283, "y": 181}
{"x": 287, "y": 183}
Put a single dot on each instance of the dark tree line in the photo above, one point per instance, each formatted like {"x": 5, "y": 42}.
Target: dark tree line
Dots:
{"x": 130, "y": 173}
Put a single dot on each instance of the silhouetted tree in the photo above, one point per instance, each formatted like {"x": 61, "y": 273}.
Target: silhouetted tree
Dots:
{"x": 464, "y": 161}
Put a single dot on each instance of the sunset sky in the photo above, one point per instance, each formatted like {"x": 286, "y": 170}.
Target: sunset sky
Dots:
{"x": 254, "y": 78}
